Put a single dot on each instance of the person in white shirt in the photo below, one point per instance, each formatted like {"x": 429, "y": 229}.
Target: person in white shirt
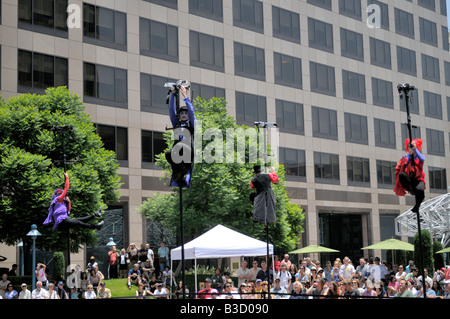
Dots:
{"x": 40, "y": 275}
{"x": 90, "y": 293}
{"x": 39, "y": 292}
{"x": 243, "y": 273}
{"x": 161, "y": 292}
{"x": 285, "y": 276}
{"x": 229, "y": 293}
{"x": 25, "y": 293}
{"x": 347, "y": 270}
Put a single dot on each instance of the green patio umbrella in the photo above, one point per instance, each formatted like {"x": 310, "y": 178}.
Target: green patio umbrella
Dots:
{"x": 391, "y": 244}
{"x": 445, "y": 250}
{"x": 313, "y": 249}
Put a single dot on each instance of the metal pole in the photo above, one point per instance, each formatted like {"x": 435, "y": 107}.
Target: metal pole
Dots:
{"x": 183, "y": 286}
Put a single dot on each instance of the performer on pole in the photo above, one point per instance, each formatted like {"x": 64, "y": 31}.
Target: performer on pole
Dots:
{"x": 184, "y": 124}
{"x": 409, "y": 175}
{"x": 59, "y": 211}
{"x": 264, "y": 199}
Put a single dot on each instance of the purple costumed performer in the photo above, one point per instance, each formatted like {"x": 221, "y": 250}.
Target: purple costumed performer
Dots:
{"x": 59, "y": 210}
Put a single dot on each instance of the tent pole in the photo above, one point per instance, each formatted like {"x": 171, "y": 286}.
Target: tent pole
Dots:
{"x": 183, "y": 275}
{"x": 195, "y": 267}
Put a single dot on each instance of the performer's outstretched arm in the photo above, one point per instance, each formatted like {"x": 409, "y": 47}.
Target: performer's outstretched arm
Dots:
{"x": 420, "y": 156}
{"x": 273, "y": 176}
{"x": 172, "y": 110}
{"x": 66, "y": 188}
{"x": 191, "y": 112}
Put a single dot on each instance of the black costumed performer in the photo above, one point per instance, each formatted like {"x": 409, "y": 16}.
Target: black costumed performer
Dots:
{"x": 183, "y": 122}
{"x": 59, "y": 211}
{"x": 409, "y": 175}
{"x": 264, "y": 199}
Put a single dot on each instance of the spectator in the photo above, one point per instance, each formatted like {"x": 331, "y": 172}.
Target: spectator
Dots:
{"x": 95, "y": 277}
{"x": 362, "y": 268}
{"x": 74, "y": 293}
{"x": 84, "y": 281}
{"x": 265, "y": 274}
{"x": 276, "y": 263}
{"x": 285, "y": 277}
{"x": 351, "y": 288}
{"x": 168, "y": 277}
{"x": 258, "y": 288}
{"x": 153, "y": 284}
{"x": 410, "y": 265}
{"x": 161, "y": 292}
{"x": 254, "y": 271}
{"x": 4, "y": 285}
{"x": 91, "y": 264}
{"x": 142, "y": 293}
{"x": 403, "y": 291}
{"x": 147, "y": 269}
{"x": 179, "y": 290}
{"x": 369, "y": 292}
{"x": 427, "y": 278}
{"x": 133, "y": 276}
{"x": 377, "y": 271}
{"x": 39, "y": 292}
{"x": 298, "y": 291}
{"x": 25, "y": 293}
{"x": 335, "y": 272}
{"x": 437, "y": 288}
{"x": 446, "y": 294}
{"x": 124, "y": 260}
{"x": 243, "y": 273}
{"x": 229, "y": 293}
{"x": 400, "y": 273}
{"x": 205, "y": 292}
{"x": 392, "y": 287}
{"x": 317, "y": 288}
{"x": 347, "y": 270}
{"x": 103, "y": 292}
{"x": 286, "y": 261}
{"x": 52, "y": 292}
{"x": 293, "y": 271}
{"x": 62, "y": 294}
{"x": 163, "y": 254}
{"x": 217, "y": 280}
{"x": 332, "y": 289}
{"x": 10, "y": 293}
{"x": 13, "y": 271}
{"x": 327, "y": 271}
{"x": 150, "y": 254}
{"x": 112, "y": 263}
{"x": 380, "y": 288}
{"x": 132, "y": 252}
{"x": 90, "y": 293}
{"x": 41, "y": 275}
{"x": 279, "y": 291}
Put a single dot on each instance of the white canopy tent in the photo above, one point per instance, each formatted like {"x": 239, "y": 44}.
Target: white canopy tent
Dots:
{"x": 219, "y": 242}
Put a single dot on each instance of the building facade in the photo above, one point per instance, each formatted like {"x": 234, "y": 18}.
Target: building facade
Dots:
{"x": 325, "y": 71}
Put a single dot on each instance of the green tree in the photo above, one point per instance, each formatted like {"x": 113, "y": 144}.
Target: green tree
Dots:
{"x": 30, "y": 167}
{"x": 219, "y": 192}
{"x": 427, "y": 245}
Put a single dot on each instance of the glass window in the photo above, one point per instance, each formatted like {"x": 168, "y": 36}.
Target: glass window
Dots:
{"x": 286, "y": 24}
{"x": 290, "y": 117}
{"x": 384, "y": 12}
{"x": 358, "y": 171}
{"x": 321, "y": 3}
{"x": 438, "y": 178}
{"x": 413, "y": 104}
{"x": 445, "y": 43}
{"x": 406, "y": 61}
{"x": 435, "y": 142}
{"x": 115, "y": 139}
{"x": 354, "y": 86}
{"x": 382, "y": 93}
{"x": 326, "y": 167}
{"x": 404, "y": 23}
{"x": 352, "y": 45}
{"x": 151, "y": 98}
{"x": 250, "y": 108}
{"x": 47, "y": 16}
{"x": 158, "y": 40}
{"x": 324, "y": 123}
{"x": 105, "y": 85}
{"x": 384, "y": 133}
{"x": 320, "y": 35}
{"x": 173, "y": 4}
{"x": 294, "y": 161}
{"x": 322, "y": 78}
{"x": 385, "y": 173}
{"x": 430, "y": 68}
{"x": 380, "y": 53}
{"x": 429, "y": 4}
{"x": 433, "y": 104}
{"x": 211, "y": 9}
{"x": 415, "y": 132}
{"x": 350, "y": 8}
{"x": 288, "y": 70}
{"x": 249, "y": 61}
{"x": 206, "y": 92}
{"x": 248, "y": 14}
{"x": 356, "y": 128}
{"x": 206, "y": 51}
{"x": 428, "y": 32}
{"x": 152, "y": 144}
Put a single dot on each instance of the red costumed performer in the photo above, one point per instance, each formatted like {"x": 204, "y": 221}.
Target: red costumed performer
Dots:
{"x": 409, "y": 175}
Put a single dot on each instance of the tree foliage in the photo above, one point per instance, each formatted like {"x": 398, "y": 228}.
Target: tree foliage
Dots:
{"x": 31, "y": 167}
{"x": 427, "y": 255}
{"x": 219, "y": 192}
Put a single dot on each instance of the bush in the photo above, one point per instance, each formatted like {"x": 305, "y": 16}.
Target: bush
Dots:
{"x": 58, "y": 266}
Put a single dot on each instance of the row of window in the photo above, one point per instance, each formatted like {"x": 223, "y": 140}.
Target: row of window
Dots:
{"x": 326, "y": 165}
{"x": 108, "y": 85}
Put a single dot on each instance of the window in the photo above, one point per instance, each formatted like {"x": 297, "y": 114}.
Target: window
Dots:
{"x": 428, "y": 32}
{"x": 448, "y": 109}
{"x": 248, "y": 14}
{"x": 285, "y": 24}
{"x": 356, "y": 129}
{"x": 322, "y": 79}
{"x": 152, "y": 96}
{"x": 45, "y": 16}
{"x": 211, "y": 9}
{"x": 380, "y": 53}
{"x": 37, "y": 71}
{"x": 352, "y": 45}
{"x": 290, "y": 117}
{"x": 250, "y": 108}
{"x": 429, "y": 4}
{"x": 415, "y": 132}
{"x": 438, "y": 178}
{"x": 321, "y": 3}
{"x": 106, "y": 27}
{"x": 382, "y": 93}
{"x": 435, "y": 142}
{"x": 413, "y": 104}
{"x": 358, "y": 171}
{"x": 406, "y": 61}
{"x": 326, "y": 167}
{"x": 433, "y": 104}
{"x": 324, "y": 123}
{"x": 350, "y": 8}
{"x": 430, "y": 68}
{"x": 404, "y": 23}
{"x": 320, "y": 35}
{"x": 206, "y": 92}
{"x": 294, "y": 162}
{"x": 385, "y": 173}
{"x": 384, "y": 13}
{"x": 173, "y": 4}
{"x": 152, "y": 144}
{"x": 105, "y": 85}
{"x": 384, "y": 133}
{"x": 206, "y": 51}
{"x": 249, "y": 61}
{"x": 115, "y": 139}
{"x": 445, "y": 43}
{"x": 447, "y": 72}
{"x": 158, "y": 40}
{"x": 443, "y": 6}
{"x": 354, "y": 86}
{"x": 288, "y": 70}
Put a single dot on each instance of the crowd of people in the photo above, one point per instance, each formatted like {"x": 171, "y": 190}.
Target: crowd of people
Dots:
{"x": 281, "y": 279}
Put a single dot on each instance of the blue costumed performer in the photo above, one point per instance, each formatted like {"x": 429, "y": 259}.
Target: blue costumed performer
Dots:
{"x": 59, "y": 211}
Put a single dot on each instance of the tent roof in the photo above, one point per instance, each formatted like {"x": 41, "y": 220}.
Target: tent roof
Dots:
{"x": 221, "y": 241}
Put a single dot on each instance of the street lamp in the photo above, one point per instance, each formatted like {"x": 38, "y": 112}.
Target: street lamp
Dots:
{"x": 34, "y": 233}
{"x": 20, "y": 245}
